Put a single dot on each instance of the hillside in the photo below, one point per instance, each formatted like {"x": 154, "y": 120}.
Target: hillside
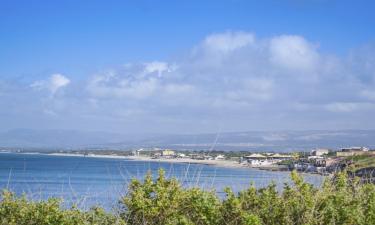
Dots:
{"x": 249, "y": 141}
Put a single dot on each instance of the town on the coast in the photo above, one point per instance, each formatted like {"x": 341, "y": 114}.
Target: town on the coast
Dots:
{"x": 320, "y": 160}
{"x": 359, "y": 161}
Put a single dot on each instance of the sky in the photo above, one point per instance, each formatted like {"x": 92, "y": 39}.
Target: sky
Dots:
{"x": 187, "y": 66}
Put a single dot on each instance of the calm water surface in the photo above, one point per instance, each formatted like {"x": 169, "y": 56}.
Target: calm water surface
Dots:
{"x": 89, "y": 181}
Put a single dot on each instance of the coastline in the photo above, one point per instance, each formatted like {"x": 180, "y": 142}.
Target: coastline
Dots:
{"x": 216, "y": 163}
{"x": 219, "y": 163}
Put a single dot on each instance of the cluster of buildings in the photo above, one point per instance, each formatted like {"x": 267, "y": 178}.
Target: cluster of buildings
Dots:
{"x": 353, "y": 151}
{"x": 171, "y": 154}
{"x": 320, "y": 160}
{"x": 266, "y": 159}
{"x": 325, "y": 160}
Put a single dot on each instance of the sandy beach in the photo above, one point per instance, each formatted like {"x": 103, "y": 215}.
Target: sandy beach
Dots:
{"x": 89, "y": 155}
{"x": 220, "y": 163}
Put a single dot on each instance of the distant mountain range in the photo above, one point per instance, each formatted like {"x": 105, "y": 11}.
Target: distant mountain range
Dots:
{"x": 27, "y": 138}
{"x": 252, "y": 140}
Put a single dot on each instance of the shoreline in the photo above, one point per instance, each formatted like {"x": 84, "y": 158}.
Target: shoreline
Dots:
{"x": 217, "y": 163}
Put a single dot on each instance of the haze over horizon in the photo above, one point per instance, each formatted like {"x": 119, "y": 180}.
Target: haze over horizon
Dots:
{"x": 168, "y": 67}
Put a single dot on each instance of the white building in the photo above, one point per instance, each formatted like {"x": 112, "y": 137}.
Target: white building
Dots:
{"x": 262, "y": 160}
{"x": 168, "y": 152}
{"x": 258, "y": 160}
{"x": 278, "y": 156}
{"x": 220, "y": 157}
{"x": 319, "y": 152}
{"x": 355, "y": 149}
{"x": 181, "y": 155}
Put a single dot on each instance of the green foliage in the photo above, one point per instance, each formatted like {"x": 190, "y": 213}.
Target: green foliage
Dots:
{"x": 163, "y": 201}
{"x": 153, "y": 202}
{"x": 362, "y": 161}
{"x": 341, "y": 201}
{"x": 20, "y": 211}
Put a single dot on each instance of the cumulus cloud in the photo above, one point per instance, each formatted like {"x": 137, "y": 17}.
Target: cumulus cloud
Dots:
{"x": 252, "y": 89}
{"x": 234, "y": 73}
{"x": 137, "y": 82}
{"x": 293, "y": 52}
{"x": 53, "y": 83}
{"x": 139, "y": 89}
{"x": 158, "y": 67}
{"x": 228, "y": 41}
{"x": 230, "y": 78}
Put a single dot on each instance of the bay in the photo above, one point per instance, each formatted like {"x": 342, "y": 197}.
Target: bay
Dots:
{"x": 88, "y": 181}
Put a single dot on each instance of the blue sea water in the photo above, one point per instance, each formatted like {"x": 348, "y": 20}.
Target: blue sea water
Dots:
{"x": 87, "y": 181}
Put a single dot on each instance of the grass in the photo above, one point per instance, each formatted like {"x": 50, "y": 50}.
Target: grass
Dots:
{"x": 363, "y": 161}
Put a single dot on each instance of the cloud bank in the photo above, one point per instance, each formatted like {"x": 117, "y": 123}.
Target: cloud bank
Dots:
{"x": 52, "y": 84}
{"x": 228, "y": 81}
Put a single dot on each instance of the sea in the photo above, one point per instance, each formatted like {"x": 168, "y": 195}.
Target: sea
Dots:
{"x": 92, "y": 181}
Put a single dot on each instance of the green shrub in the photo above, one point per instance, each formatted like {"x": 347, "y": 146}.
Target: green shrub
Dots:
{"x": 163, "y": 201}
{"x": 20, "y": 211}
{"x": 340, "y": 201}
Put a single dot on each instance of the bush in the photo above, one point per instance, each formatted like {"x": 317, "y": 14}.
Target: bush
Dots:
{"x": 20, "y": 211}
{"x": 341, "y": 201}
{"x": 164, "y": 201}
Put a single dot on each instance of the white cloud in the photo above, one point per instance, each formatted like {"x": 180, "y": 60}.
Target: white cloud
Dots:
{"x": 229, "y": 78}
{"x": 58, "y": 81}
{"x": 368, "y": 94}
{"x": 349, "y": 106}
{"x": 53, "y": 84}
{"x": 176, "y": 89}
{"x": 227, "y": 74}
{"x": 293, "y": 52}
{"x": 342, "y": 107}
{"x": 137, "y": 82}
{"x": 252, "y": 89}
{"x": 158, "y": 67}
{"x": 228, "y": 41}
{"x": 118, "y": 88}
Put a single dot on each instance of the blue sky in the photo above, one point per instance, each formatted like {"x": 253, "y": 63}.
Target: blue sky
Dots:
{"x": 83, "y": 36}
{"x": 83, "y": 65}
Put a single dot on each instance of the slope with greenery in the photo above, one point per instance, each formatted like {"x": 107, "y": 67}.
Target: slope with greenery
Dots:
{"x": 362, "y": 161}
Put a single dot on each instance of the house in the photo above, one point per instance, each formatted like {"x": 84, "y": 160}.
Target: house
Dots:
{"x": 280, "y": 157}
{"x": 208, "y": 157}
{"x": 137, "y": 152}
{"x": 258, "y": 160}
{"x": 167, "y": 152}
{"x": 355, "y": 149}
{"x": 352, "y": 151}
{"x": 304, "y": 167}
{"x": 181, "y": 155}
{"x": 220, "y": 157}
{"x": 266, "y": 160}
{"x": 196, "y": 156}
{"x": 156, "y": 155}
{"x": 319, "y": 152}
